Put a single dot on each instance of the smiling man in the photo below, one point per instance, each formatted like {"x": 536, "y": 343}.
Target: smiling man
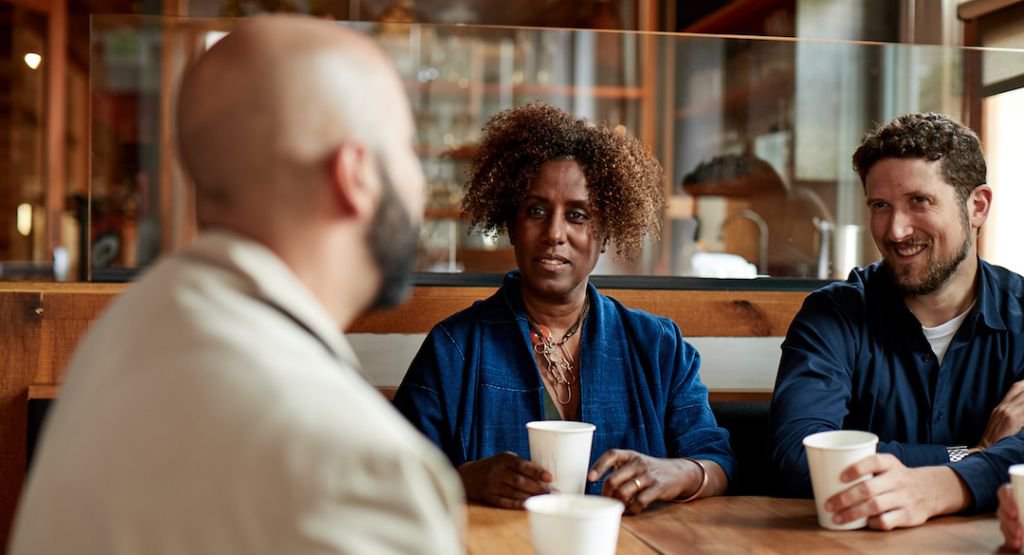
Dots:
{"x": 923, "y": 348}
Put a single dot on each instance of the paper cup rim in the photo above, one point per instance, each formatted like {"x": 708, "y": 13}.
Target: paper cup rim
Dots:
{"x": 866, "y": 439}
{"x": 565, "y": 426}
{"x": 593, "y": 505}
{"x": 1016, "y": 470}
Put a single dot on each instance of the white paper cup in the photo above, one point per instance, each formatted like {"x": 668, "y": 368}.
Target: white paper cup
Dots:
{"x": 828, "y": 455}
{"x": 562, "y": 448}
{"x": 569, "y": 524}
{"x": 1017, "y": 481}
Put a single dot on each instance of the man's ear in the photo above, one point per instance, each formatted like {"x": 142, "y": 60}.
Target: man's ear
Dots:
{"x": 352, "y": 185}
{"x": 978, "y": 205}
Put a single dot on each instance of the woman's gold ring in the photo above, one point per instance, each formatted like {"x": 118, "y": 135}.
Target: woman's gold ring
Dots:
{"x": 638, "y": 486}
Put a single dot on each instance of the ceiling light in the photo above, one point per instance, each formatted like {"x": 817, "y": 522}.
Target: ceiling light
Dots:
{"x": 33, "y": 60}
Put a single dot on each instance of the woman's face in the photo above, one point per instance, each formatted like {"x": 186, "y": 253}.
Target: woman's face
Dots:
{"x": 555, "y": 232}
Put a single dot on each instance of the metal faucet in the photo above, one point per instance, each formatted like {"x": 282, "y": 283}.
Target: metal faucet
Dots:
{"x": 825, "y": 225}
{"x": 825, "y": 229}
{"x": 762, "y": 239}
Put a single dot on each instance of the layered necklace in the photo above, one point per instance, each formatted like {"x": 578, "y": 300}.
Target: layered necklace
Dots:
{"x": 556, "y": 354}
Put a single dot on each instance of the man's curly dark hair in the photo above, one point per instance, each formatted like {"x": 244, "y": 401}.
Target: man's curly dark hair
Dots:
{"x": 624, "y": 180}
{"x": 932, "y": 137}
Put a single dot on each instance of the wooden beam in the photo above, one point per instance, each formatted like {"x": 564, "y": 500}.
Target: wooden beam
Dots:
{"x": 56, "y": 120}
{"x": 971, "y": 67}
{"x": 174, "y": 190}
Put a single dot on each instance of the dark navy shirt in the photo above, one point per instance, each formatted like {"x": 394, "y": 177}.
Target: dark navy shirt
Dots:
{"x": 856, "y": 358}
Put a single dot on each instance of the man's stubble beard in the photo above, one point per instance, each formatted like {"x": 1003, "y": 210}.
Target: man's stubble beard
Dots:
{"x": 939, "y": 271}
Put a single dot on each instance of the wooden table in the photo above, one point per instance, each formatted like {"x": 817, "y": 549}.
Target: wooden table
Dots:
{"x": 748, "y": 525}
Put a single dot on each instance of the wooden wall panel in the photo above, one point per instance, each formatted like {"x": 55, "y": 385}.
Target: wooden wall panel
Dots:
{"x": 698, "y": 313}
{"x": 20, "y": 326}
{"x": 66, "y": 317}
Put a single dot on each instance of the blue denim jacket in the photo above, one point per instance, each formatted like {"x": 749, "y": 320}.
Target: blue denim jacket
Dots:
{"x": 856, "y": 358}
{"x": 474, "y": 384}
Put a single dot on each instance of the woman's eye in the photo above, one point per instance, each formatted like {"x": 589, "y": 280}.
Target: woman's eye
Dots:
{"x": 535, "y": 211}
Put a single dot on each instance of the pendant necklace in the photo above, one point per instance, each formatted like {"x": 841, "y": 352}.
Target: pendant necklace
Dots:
{"x": 556, "y": 354}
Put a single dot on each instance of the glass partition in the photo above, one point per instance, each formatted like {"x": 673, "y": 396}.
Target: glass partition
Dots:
{"x": 755, "y": 134}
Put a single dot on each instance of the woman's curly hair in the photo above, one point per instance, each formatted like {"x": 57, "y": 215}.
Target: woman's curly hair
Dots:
{"x": 624, "y": 180}
{"x": 932, "y": 137}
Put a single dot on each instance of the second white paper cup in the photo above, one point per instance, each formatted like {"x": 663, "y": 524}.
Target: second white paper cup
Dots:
{"x": 562, "y": 447}
{"x": 568, "y": 524}
{"x": 828, "y": 454}
{"x": 1017, "y": 481}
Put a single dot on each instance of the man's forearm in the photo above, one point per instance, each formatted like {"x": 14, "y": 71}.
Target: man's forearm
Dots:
{"x": 985, "y": 471}
{"x": 950, "y": 492}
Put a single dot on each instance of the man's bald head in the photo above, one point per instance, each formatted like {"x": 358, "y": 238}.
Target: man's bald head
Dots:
{"x": 262, "y": 112}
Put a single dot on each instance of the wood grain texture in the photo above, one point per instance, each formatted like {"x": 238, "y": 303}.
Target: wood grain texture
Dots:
{"x": 781, "y": 526}
{"x": 20, "y": 327}
{"x": 698, "y": 313}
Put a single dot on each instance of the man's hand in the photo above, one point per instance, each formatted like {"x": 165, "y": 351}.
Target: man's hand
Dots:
{"x": 1009, "y": 519}
{"x": 504, "y": 480}
{"x": 639, "y": 480}
{"x": 897, "y": 496}
{"x": 1007, "y": 418}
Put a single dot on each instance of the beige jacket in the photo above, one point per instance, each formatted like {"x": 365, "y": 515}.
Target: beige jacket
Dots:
{"x": 215, "y": 408}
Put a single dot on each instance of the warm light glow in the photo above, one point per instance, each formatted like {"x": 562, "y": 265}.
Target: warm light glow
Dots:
{"x": 24, "y": 219}
{"x": 33, "y": 60}
{"x": 212, "y": 37}
{"x": 1003, "y": 136}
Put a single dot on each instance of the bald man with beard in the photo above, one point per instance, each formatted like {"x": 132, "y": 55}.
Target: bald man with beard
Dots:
{"x": 216, "y": 407}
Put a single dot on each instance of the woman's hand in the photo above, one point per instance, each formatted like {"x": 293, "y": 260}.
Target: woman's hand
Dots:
{"x": 504, "y": 480}
{"x": 639, "y": 480}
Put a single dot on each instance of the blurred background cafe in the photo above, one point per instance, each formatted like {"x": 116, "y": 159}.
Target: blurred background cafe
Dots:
{"x": 753, "y": 107}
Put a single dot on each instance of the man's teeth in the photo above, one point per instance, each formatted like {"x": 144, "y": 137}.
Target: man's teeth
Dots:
{"x": 909, "y": 250}
{"x": 551, "y": 261}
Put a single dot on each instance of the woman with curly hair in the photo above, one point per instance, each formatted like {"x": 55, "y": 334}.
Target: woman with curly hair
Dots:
{"x": 547, "y": 345}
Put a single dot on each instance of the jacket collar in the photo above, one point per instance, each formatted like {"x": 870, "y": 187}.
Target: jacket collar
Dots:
{"x": 512, "y": 290}
{"x": 266, "y": 277}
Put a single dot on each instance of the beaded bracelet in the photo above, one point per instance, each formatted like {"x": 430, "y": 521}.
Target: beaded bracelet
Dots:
{"x": 703, "y": 481}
